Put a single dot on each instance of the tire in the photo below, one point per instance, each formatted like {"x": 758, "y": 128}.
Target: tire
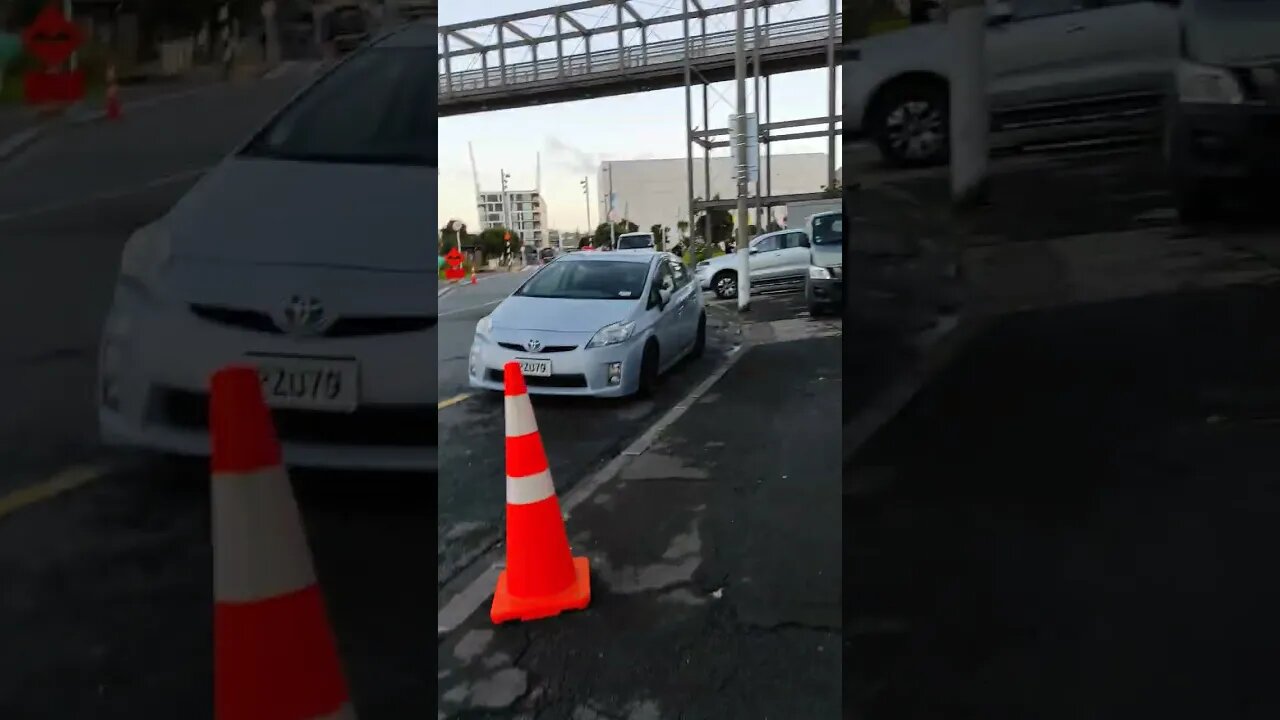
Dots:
{"x": 816, "y": 310}
{"x": 700, "y": 341}
{"x": 725, "y": 284}
{"x": 909, "y": 124}
{"x": 648, "y": 370}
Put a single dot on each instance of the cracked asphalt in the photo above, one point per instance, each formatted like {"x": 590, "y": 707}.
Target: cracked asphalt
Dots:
{"x": 715, "y": 569}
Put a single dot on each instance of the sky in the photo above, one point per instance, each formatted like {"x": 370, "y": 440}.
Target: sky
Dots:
{"x": 574, "y": 138}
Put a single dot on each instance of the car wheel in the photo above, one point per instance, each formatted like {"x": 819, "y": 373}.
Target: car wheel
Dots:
{"x": 725, "y": 284}
{"x": 909, "y": 124}
{"x": 816, "y": 310}
{"x": 648, "y": 370}
{"x": 700, "y": 341}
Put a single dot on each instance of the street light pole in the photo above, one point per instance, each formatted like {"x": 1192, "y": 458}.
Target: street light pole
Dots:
{"x": 740, "y": 145}
{"x": 612, "y": 240}
{"x": 586, "y": 196}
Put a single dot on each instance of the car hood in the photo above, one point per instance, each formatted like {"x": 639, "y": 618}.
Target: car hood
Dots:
{"x": 826, "y": 255}
{"x": 263, "y": 211}
{"x": 560, "y": 315}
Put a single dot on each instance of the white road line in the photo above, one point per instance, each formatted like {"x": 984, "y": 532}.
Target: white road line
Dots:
{"x": 99, "y": 197}
{"x": 51, "y": 487}
{"x": 466, "y": 601}
{"x": 459, "y": 310}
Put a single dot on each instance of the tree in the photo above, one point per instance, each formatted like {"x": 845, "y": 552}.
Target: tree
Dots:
{"x": 491, "y": 241}
{"x": 659, "y": 235}
{"x": 451, "y": 234}
{"x": 721, "y": 225}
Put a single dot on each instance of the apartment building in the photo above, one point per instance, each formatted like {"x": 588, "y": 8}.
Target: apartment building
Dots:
{"x": 521, "y": 210}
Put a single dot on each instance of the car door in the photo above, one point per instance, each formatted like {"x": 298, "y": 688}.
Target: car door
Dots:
{"x": 794, "y": 265}
{"x": 766, "y": 257}
{"x": 686, "y": 298}
{"x": 1038, "y": 55}
{"x": 666, "y": 326}
{"x": 1134, "y": 45}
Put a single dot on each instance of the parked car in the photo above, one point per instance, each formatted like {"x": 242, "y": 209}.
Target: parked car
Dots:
{"x": 776, "y": 259}
{"x": 1222, "y": 125}
{"x": 337, "y": 310}
{"x": 1056, "y": 68}
{"x": 824, "y": 285}
{"x": 593, "y": 324}
{"x": 636, "y": 241}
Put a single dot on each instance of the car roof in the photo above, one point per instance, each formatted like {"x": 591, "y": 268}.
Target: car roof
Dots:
{"x": 416, "y": 34}
{"x": 599, "y": 256}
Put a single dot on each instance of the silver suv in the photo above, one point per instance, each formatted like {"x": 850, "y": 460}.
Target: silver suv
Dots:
{"x": 776, "y": 259}
{"x": 1055, "y": 67}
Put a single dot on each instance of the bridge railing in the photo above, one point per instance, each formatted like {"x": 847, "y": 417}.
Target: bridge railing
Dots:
{"x": 774, "y": 35}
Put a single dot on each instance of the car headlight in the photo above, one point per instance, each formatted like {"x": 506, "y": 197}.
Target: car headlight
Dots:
{"x": 1208, "y": 84}
{"x": 484, "y": 326}
{"x": 612, "y": 334}
{"x": 819, "y": 273}
{"x": 145, "y": 257}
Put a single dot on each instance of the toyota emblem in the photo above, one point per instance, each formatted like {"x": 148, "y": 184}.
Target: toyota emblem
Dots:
{"x": 303, "y": 316}
{"x": 533, "y": 345}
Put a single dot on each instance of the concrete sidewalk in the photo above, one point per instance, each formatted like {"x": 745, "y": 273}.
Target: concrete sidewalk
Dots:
{"x": 715, "y": 568}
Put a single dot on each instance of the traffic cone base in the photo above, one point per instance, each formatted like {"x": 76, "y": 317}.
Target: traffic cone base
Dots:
{"x": 508, "y": 607}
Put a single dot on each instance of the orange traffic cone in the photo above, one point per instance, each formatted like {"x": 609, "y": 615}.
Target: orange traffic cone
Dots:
{"x": 473, "y": 276}
{"x": 542, "y": 578}
{"x": 274, "y": 652}
{"x": 113, "y": 94}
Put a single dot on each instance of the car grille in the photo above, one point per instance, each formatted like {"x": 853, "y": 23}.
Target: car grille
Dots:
{"x": 369, "y": 425}
{"x": 259, "y": 321}
{"x": 546, "y": 349}
{"x": 555, "y": 381}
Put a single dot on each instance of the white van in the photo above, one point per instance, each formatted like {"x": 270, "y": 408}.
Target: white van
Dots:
{"x": 636, "y": 241}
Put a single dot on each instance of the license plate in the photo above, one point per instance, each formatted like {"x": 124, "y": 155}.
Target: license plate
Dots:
{"x": 536, "y": 367}
{"x": 309, "y": 383}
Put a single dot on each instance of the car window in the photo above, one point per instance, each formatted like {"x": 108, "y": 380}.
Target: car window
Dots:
{"x": 793, "y": 240}
{"x": 379, "y": 107}
{"x": 1028, "y": 9}
{"x": 663, "y": 279}
{"x": 635, "y": 241}
{"x": 588, "y": 280}
{"x": 828, "y": 229}
{"x": 679, "y": 273}
{"x": 768, "y": 244}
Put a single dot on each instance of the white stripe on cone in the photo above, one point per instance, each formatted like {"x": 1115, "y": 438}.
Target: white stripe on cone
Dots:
{"x": 259, "y": 548}
{"x": 530, "y": 489}
{"x": 519, "y": 411}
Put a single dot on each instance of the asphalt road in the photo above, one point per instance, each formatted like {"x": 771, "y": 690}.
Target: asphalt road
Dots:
{"x": 580, "y": 434}
{"x": 106, "y": 586}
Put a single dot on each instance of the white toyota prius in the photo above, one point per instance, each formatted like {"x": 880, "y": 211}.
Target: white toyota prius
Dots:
{"x": 306, "y": 254}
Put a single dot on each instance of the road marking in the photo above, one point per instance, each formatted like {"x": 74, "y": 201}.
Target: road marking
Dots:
{"x": 113, "y": 195}
{"x": 452, "y": 401}
{"x": 460, "y": 606}
{"x": 451, "y": 312}
{"x": 62, "y": 481}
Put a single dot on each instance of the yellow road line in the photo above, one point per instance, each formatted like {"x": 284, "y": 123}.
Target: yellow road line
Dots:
{"x": 442, "y": 404}
{"x": 68, "y": 479}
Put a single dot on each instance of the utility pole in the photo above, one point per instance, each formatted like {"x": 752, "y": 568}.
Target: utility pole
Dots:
{"x": 755, "y": 98}
{"x": 612, "y": 240}
{"x": 586, "y": 195}
{"x": 740, "y": 73}
{"x": 970, "y": 118}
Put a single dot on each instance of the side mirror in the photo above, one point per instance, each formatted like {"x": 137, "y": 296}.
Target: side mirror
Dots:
{"x": 752, "y": 251}
{"x": 999, "y": 13}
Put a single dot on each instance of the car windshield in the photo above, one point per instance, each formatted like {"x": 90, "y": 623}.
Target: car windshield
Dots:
{"x": 632, "y": 242}
{"x": 588, "y": 281}
{"x": 828, "y": 229}
{"x": 378, "y": 107}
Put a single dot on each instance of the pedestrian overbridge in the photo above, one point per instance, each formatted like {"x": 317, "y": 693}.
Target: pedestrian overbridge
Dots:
{"x": 568, "y": 60}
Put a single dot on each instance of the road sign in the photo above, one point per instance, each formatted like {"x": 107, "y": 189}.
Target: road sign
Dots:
{"x": 51, "y": 38}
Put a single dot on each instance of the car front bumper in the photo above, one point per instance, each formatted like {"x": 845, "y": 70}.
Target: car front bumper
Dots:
{"x": 580, "y": 371}
{"x": 155, "y": 361}
{"x": 1225, "y": 142}
{"x": 827, "y": 293}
